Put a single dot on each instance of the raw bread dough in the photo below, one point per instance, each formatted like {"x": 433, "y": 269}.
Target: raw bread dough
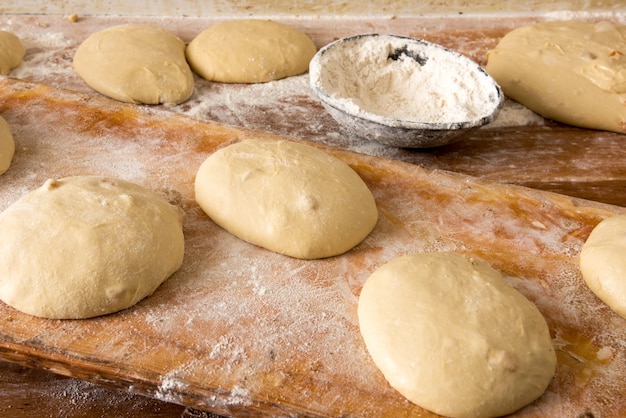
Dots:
{"x": 571, "y": 72}
{"x": 603, "y": 262}
{"x": 287, "y": 197}
{"x": 137, "y": 64}
{"x": 7, "y": 146}
{"x": 451, "y": 335}
{"x": 250, "y": 51}
{"x": 85, "y": 246}
{"x": 11, "y": 51}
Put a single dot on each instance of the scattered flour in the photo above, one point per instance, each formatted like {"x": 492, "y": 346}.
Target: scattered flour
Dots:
{"x": 239, "y": 396}
{"x": 605, "y": 353}
{"x": 169, "y": 389}
{"x": 515, "y": 114}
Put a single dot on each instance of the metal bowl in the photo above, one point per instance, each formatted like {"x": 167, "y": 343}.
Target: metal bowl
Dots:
{"x": 401, "y": 91}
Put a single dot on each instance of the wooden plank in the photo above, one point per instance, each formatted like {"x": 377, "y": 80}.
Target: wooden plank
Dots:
{"x": 48, "y": 394}
{"x": 240, "y": 330}
{"x": 518, "y": 148}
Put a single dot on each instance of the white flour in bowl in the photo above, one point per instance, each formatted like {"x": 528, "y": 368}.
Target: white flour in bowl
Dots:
{"x": 405, "y": 79}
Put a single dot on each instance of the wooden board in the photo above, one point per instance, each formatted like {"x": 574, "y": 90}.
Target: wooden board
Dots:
{"x": 243, "y": 331}
{"x": 519, "y": 147}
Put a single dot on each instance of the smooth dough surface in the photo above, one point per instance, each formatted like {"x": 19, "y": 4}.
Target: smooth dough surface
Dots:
{"x": 287, "y": 197}
{"x": 572, "y": 72}
{"x": 136, "y": 64}
{"x": 451, "y": 335}
{"x": 86, "y": 246}
{"x": 7, "y": 146}
{"x": 11, "y": 51}
{"x": 603, "y": 262}
{"x": 250, "y": 51}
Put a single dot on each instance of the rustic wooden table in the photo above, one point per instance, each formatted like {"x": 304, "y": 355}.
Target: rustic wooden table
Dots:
{"x": 521, "y": 148}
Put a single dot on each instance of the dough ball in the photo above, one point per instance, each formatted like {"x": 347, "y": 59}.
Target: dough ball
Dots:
{"x": 250, "y": 51}
{"x": 452, "y": 336}
{"x": 603, "y": 262}
{"x": 136, "y": 64}
{"x": 85, "y": 246}
{"x": 287, "y": 197}
{"x": 571, "y": 72}
{"x": 11, "y": 52}
{"x": 7, "y": 146}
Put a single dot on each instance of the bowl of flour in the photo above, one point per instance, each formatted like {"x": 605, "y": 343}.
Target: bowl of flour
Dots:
{"x": 401, "y": 91}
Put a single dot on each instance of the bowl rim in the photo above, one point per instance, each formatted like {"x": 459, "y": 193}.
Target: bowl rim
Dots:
{"x": 315, "y": 68}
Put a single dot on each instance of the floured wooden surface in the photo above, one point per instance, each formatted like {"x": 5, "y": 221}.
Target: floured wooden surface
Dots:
{"x": 519, "y": 147}
{"x": 53, "y": 395}
{"x": 240, "y": 330}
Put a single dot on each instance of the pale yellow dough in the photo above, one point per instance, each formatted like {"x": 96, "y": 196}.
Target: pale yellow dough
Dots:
{"x": 86, "y": 246}
{"x": 7, "y": 146}
{"x": 603, "y": 262}
{"x": 572, "y": 72}
{"x": 250, "y": 51}
{"x": 451, "y": 335}
{"x": 11, "y": 52}
{"x": 287, "y": 197}
{"x": 136, "y": 64}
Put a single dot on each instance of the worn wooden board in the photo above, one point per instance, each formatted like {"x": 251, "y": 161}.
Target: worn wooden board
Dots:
{"x": 519, "y": 147}
{"x": 243, "y": 331}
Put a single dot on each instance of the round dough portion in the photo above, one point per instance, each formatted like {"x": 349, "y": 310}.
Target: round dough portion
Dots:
{"x": 136, "y": 64}
{"x": 572, "y": 72}
{"x": 7, "y": 146}
{"x": 603, "y": 262}
{"x": 452, "y": 336}
{"x": 250, "y": 51}
{"x": 287, "y": 197}
{"x": 86, "y": 246}
{"x": 11, "y": 52}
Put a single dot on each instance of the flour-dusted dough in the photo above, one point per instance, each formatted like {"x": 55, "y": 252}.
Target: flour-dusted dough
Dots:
{"x": 451, "y": 335}
{"x": 137, "y": 64}
{"x": 85, "y": 246}
{"x": 7, "y": 146}
{"x": 571, "y": 72}
{"x": 287, "y": 197}
{"x": 11, "y": 51}
{"x": 250, "y": 51}
{"x": 603, "y": 262}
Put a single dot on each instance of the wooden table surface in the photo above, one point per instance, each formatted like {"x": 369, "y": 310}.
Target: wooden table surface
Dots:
{"x": 529, "y": 151}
